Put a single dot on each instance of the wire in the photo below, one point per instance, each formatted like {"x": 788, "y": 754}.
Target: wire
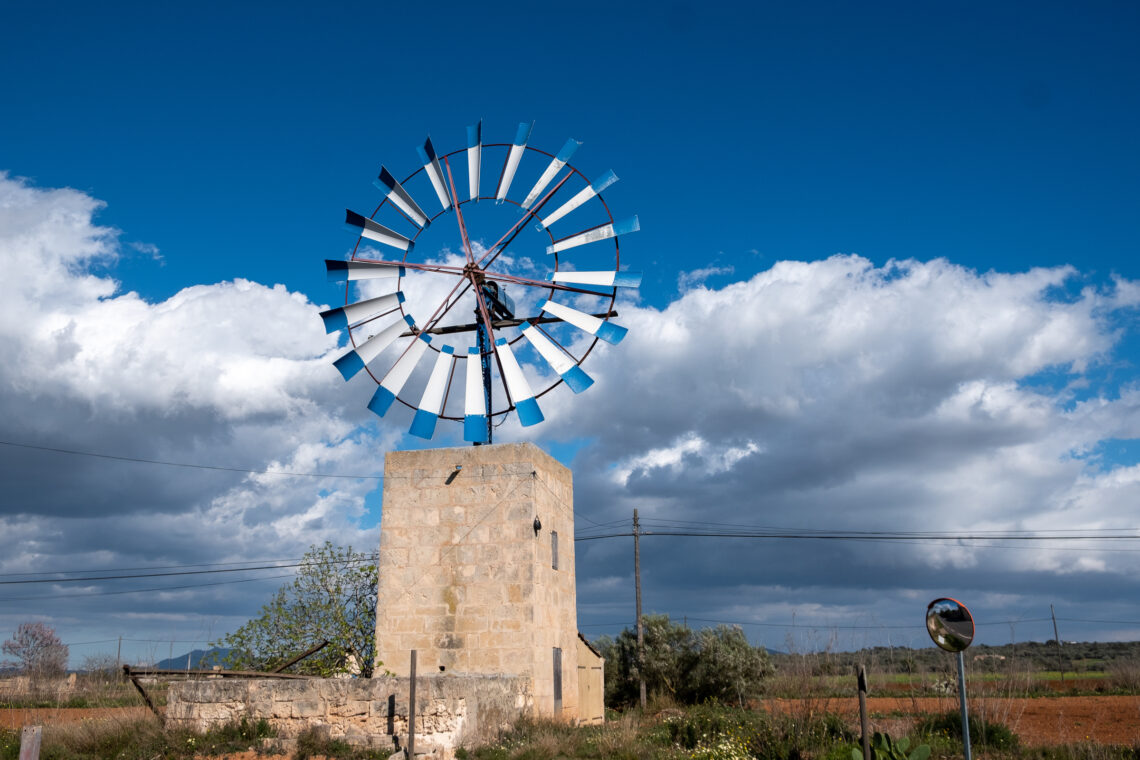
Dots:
{"x": 181, "y": 572}
{"x": 140, "y": 590}
{"x": 97, "y": 455}
{"x": 155, "y": 567}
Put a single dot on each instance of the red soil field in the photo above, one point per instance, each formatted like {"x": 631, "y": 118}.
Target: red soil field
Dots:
{"x": 1039, "y": 721}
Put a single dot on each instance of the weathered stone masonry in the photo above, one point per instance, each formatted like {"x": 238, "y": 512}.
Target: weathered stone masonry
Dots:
{"x": 451, "y": 711}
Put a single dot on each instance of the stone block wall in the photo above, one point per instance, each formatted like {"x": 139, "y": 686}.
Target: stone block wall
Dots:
{"x": 464, "y": 577}
{"x": 451, "y": 711}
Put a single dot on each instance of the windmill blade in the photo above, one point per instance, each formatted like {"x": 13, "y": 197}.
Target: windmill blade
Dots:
{"x": 567, "y": 368}
{"x": 339, "y": 271}
{"x": 356, "y": 359}
{"x": 393, "y": 382}
{"x": 601, "y": 232}
{"x": 474, "y": 400}
{"x": 517, "y": 386}
{"x": 607, "y": 331}
{"x": 434, "y": 172}
{"x": 585, "y": 194}
{"x": 512, "y": 163}
{"x": 373, "y": 230}
{"x": 607, "y": 278}
{"x": 552, "y": 169}
{"x": 431, "y": 403}
{"x": 400, "y": 197}
{"x": 338, "y": 319}
{"x": 474, "y": 158}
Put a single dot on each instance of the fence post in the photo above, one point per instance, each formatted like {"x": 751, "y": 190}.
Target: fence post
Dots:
{"x": 412, "y": 710}
{"x": 30, "y": 742}
{"x": 863, "y": 713}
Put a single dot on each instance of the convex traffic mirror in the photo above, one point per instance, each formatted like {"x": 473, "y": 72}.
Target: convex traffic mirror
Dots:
{"x": 950, "y": 624}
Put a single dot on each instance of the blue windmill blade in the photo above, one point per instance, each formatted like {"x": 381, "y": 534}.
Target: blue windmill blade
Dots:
{"x": 607, "y": 331}
{"x": 373, "y": 230}
{"x": 357, "y": 358}
{"x": 474, "y": 399}
{"x": 590, "y": 191}
{"x": 474, "y": 158}
{"x": 340, "y": 318}
{"x": 551, "y": 171}
{"x": 435, "y": 173}
{"x": 431, "y": 402}
{"x": 398, "y": 375}
{"x": 339, "y": 271}
{"x": 401, "y": 198}
{"x": 566, "y": 367}
{"x": 521, "y": 394}
{"x": 601, "y": 232}
{"x": 512, "y": 163}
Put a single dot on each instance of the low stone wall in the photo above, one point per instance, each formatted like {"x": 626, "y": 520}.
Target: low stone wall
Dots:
{"x": 451, "y": 710}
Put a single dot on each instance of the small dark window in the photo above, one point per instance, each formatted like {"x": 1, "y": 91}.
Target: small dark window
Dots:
{"x": 557, "y": 680}
{"x": 554, "y": 549}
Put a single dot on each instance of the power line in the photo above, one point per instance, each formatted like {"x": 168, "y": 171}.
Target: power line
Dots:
{"x": 140, "y": 590}
{"x": 154, "y": 567}
{"x": 181, "y": 572}
{"x": 165, "y": 463}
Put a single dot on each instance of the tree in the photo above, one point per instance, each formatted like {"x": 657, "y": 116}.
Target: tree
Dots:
{"x": 333, "y": 598}
{"x": 726, "y": 666}
{"x": 687, "y": 666}
{"x": 38, "y": 651}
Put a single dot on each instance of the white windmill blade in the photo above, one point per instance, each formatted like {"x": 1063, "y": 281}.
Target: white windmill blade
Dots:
{"x": 431, "y": 403}
{"x": 583, "y": 195}
{"x": 393, "y": 382}
{"x": 356, "y": 359}
{"x": 400, "y": 197}
{"x": 601, "y": 232}
{"x": 338, "y": 319}
{"x": 552, "y": 169}
{"x": 567, "y": 368}
{"x": 474, "y": 158}
{"x": 373, "y": 230}
{"x": 435, "y": 173}
{"x": 339, "y": 271}
{"x": 607, "y": 331}
{"x": 474, "y": 400}
{"x": 513, "y": 158}
{"x": 607, "y": 278}
{"x": 521, "y": 394}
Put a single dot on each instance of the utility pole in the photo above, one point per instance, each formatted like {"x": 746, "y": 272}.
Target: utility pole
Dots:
{"x": 637, "y": 586}
{"x": 119, "y": 656}
{"x": 1057, "y": 638}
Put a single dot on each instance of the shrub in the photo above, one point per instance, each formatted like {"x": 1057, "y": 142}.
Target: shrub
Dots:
{"x": 983, "y": 732}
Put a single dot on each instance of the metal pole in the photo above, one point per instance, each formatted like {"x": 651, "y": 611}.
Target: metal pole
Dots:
{"x": 412, "y": 711}
{"x": 962, "y": 702}
{"x": 637, "y": 586}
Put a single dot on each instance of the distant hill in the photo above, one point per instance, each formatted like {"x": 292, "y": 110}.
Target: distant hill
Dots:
{"x": 200, "y": 659}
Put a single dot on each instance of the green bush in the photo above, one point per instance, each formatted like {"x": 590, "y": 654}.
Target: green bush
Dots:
{"x": 983, "y": 733}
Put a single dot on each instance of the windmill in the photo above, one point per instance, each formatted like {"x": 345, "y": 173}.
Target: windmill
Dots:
{"x": 558, "y": 255}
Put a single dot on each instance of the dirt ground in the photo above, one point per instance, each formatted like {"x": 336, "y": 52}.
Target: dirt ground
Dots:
{"x": 1039, "y": 721}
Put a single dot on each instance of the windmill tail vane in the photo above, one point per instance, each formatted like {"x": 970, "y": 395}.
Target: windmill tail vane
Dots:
{"x": 564, "y": 225}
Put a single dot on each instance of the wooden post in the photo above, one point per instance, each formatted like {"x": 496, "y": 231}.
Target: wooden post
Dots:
{"x": 138, "y": 686}
{"x": 30, "y": 737}
{"x": 863, "y": 713}
{"x": 637, "y": 587}
{"x": 412, "y": 710}
{"x": 1057, "y": 638}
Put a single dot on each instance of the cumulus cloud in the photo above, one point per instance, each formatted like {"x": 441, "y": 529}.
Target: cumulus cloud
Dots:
{"x": 235, "y": 374}
{"x": 834, "y": 394}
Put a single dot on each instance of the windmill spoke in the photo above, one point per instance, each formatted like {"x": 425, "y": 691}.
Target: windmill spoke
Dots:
{"x": 492, "y": 254}
{"x": 545, "y": 284}
{"x": 459, "y": 215}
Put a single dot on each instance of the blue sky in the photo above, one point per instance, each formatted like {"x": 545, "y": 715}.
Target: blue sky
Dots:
{"x": 225, "y": 142}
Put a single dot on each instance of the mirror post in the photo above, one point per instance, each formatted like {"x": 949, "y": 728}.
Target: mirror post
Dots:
{"x": 962, "y": 702}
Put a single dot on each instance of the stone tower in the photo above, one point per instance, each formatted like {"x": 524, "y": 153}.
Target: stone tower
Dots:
{"x": 477, "y": 568}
